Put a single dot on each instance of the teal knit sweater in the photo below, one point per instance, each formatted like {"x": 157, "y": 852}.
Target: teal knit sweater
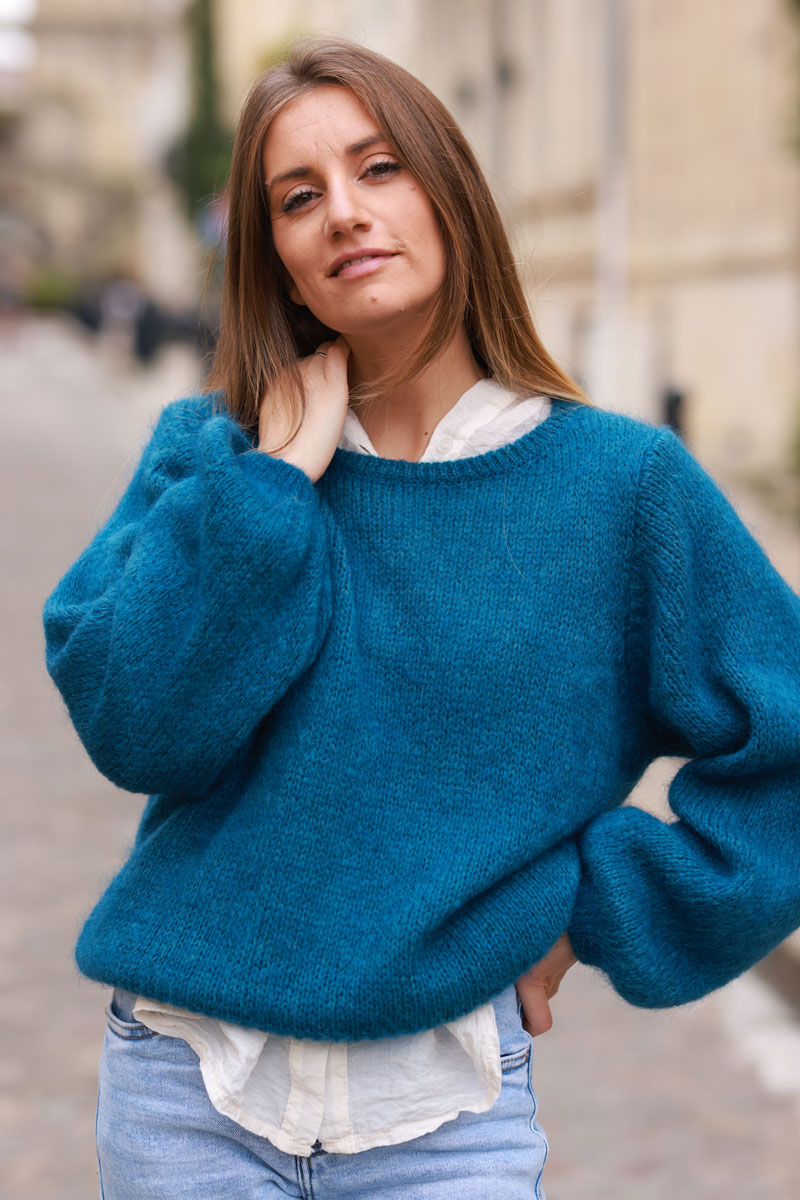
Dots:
{"x": 387, "y": 723}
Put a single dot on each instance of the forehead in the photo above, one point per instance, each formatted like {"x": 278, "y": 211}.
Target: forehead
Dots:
{"x": 324, "y": 120}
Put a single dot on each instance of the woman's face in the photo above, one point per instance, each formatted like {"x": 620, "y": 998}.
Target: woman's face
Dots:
{"x": 337, "y": 194}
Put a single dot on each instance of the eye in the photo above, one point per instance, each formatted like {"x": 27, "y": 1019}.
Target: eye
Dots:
{"x": 297, "y": 199}
{"x": 382, "y": 168}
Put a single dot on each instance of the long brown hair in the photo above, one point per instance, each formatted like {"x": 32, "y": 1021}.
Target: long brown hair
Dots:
{"x": 262, "y": 332}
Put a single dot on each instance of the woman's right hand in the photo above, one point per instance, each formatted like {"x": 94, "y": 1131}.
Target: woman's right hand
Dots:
{"x": 327, "y": 394}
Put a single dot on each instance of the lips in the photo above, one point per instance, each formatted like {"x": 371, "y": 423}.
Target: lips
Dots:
{"x": 354, "y": 257}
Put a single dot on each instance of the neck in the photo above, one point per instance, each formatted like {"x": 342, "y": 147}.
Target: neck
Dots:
{"x": 400, "y": 424}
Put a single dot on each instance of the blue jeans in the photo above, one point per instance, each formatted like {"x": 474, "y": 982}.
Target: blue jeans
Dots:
{"x": 159, "y": 1136}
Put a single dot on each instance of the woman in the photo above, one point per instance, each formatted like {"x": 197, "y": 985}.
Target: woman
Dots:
{"x": 387, "y": 626}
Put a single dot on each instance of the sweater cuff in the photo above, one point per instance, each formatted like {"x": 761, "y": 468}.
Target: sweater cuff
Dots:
{"x": 261, "y": 470}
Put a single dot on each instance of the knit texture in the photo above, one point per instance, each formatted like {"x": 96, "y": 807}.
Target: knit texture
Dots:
{"x": 387, "y": 723}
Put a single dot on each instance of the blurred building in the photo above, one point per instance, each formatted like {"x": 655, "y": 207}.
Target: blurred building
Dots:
{"x": 104, "y": 99}
{"x": 644, "y": 154}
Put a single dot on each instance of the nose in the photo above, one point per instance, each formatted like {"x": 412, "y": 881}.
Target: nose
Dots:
{"x": 345, "y": 207}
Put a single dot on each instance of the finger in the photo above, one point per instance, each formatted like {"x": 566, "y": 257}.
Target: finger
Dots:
{"x": 321, "y": 353}
{"x": 334, "y": 352}
{"x": 538, "y": 1018}
{"x": 334, "y": 364}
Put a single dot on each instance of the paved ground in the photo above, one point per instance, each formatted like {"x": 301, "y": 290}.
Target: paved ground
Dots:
{"x": 701, "y": 1102}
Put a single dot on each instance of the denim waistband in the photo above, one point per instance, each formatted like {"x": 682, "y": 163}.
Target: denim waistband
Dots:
{"x": 507, "y": 1011}
{"x": 122, "y": 1003}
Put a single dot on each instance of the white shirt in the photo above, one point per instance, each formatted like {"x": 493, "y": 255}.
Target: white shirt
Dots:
{"x": 351, "y": 1096}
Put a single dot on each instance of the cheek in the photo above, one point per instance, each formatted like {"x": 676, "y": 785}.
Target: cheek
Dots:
{"x": 432, "y": 238}
{"x": 294, "y": 261}
{"x": 288, "y": 256}
{"x": 437, "y": 260}
{"x": 440, "y": 259}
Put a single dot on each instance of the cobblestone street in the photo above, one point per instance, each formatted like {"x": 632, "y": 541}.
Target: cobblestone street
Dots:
{"x": 701, "y": 1102}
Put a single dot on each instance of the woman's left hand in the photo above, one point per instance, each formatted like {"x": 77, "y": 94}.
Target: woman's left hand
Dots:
{"x": 538, "y": 985}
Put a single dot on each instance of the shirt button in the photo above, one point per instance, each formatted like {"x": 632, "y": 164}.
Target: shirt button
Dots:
{"x": 444, "y": 444}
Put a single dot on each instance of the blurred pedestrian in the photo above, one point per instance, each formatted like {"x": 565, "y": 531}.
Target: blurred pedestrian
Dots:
{"x": 121, "y": 301}
{"x": 673, "y": 403}
{"x": 388, "y": 624}
{"x": 150, "y": 331}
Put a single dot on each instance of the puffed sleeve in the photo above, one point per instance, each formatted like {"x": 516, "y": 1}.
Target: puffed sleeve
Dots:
{"x": 672, "y": 910}
{"x": 195, "y": 607}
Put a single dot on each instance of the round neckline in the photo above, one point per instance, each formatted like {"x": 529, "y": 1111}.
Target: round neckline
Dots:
{"x": 490, "y": 462}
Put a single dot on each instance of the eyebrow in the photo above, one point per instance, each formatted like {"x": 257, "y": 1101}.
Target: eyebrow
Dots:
{"x": 351, "y": 151}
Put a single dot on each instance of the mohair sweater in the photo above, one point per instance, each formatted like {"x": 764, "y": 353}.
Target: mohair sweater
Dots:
{"x": 387, "y": 722}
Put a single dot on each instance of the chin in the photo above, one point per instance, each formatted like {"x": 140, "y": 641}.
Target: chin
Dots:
{"x": 384, "y": 319}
